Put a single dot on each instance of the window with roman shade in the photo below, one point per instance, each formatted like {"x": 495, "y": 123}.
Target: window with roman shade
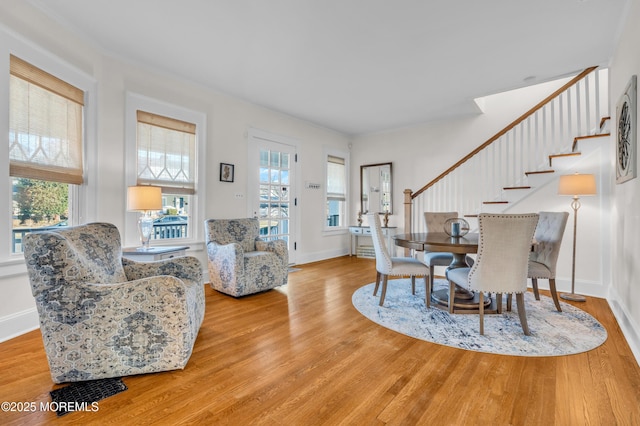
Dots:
{"x": 336, "y": 191}
{"x": 46, "y": 126}
{"x": 166, "y": 153}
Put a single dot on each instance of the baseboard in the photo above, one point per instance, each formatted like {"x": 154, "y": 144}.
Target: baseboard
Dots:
{"x": 318, "y": 256}
{"x": 629, "y": 328}
{"x": 19, "y": 323}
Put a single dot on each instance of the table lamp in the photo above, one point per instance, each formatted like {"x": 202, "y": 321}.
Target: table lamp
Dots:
{"x": 576, "y": 185}
{"x": 144, "y": 199}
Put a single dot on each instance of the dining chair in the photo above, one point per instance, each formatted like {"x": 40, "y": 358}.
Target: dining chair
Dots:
{"x": 544, "y": 257}
{"x": 502, "y": 262}
{"x": 434, "y": 222}
{"x": 394, "y": 266}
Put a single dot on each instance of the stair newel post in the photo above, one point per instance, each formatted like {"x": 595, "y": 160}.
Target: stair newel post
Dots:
{"x": 408, "y": 201}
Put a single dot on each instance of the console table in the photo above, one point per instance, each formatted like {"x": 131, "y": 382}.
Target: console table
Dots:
{"x": 365, "y": 231}
{"x": 154, "y": 253}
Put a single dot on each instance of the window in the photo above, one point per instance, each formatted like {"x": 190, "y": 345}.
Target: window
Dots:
{"x": 166, "y": 158}
{"x": 45, "y": 148}
{"x": 336, "y": 192}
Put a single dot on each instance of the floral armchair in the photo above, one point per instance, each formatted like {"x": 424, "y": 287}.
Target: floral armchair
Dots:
{"x": 105, "y": 316}
{"x": 240, "y": 262}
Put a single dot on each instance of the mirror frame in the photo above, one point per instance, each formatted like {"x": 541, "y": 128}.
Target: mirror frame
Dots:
{"x": 362, "y": 189}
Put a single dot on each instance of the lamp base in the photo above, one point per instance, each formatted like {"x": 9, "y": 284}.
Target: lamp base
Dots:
{"x": 573, "y": 297}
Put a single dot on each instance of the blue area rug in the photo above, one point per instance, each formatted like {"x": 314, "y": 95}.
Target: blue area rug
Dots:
{"x": 553, "y": 333}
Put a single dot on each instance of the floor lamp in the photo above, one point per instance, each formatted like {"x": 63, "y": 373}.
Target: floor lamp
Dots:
{"x": 576, "y": 185}
{"x": 144, "y": 199}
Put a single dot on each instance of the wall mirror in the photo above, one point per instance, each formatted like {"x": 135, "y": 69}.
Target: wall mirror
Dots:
{"x": 375, "y": 188}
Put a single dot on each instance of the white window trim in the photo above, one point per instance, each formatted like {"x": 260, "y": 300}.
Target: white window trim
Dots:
{"x": 335, "y": 152}
{"x": 85, "y": 205}
{"x": 134, "y": 102}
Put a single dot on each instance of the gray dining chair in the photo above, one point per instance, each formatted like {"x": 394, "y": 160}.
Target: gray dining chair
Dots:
{"x": 394, "y": 266}
{"x": 502, "y": 262}
{"x": 434, "y": 222}
{"x": 544, "y": 257}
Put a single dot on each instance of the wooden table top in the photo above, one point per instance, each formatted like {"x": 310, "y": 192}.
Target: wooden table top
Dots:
{"x": 438, "y": 241}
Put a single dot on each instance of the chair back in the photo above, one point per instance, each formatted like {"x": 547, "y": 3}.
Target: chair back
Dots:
{"x": 434, "y": 221}
{"x": 226, "y": 231}
{"x": 383, "y": 259}
{"x": 549, "y": 233}
{"x": 89, "y": 253}
{"x": 503, "y": 252}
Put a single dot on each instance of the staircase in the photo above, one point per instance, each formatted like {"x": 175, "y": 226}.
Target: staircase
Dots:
{"x": 533, "y": 150}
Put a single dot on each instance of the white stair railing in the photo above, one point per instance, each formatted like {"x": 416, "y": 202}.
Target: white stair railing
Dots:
{"x": 523, "y": 147}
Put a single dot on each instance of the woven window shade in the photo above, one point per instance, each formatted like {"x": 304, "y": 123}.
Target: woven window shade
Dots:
{"x": 166, "y": 153}
{"x": 336, "y": 179}
{"x": 46, "y": 123}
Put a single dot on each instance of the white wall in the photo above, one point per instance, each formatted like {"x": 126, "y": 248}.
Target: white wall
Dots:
{"x": 228, "y": 120}
{"x": 625, "y": 286}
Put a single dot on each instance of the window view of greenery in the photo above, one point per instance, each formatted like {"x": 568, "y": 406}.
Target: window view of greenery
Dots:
{"x": 37, "y": 204}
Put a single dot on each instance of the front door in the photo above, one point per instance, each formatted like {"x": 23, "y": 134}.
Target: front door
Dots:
{"x": 272, "y": 189}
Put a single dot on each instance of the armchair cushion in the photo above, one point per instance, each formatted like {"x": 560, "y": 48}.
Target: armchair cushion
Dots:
{"x": 101, "y": 318}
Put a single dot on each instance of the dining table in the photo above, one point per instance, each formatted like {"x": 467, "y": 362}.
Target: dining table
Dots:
{"x": 465, "y": 300}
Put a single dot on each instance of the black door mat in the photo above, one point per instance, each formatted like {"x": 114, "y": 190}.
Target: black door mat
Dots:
{"x": 80, "y": 396}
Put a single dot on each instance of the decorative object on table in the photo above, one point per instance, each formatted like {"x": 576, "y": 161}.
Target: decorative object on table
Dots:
{"x": 359, "y": 218}
{"x": 626, "y": 111}
{"x": 104, "y": 316}
{"x": 456, "y": 227}
{"x": 501, "y": 266}
{"x": 239, "y": 261}
{"x": 553, "y": 333}
{"x": 144, "y": 199}
{"x": 576, "y": 185}
{"x": 398, "y": 266}
{"x": 543, "y": 259}
{"x": 386, "y": 219}
{"x": 226, "y": 172}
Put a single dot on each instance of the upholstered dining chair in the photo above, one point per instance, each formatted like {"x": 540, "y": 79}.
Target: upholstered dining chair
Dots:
{"x": 434, "y": 222}
{"x": 239, "y": 261}
{"x": 105, "y": 316}
{"x": 544, "y": 257}
{"x": 394, "y": 266}
{"x": 502, "y": 262}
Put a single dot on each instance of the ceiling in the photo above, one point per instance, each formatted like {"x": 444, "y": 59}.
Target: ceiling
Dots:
{"x": 355, "y": 66}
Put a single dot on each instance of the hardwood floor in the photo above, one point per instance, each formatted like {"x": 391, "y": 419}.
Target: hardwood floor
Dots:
{"x": 302, "y": 355}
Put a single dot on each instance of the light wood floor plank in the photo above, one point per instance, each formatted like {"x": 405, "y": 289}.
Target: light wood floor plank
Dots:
{"x": 302, "y": 355}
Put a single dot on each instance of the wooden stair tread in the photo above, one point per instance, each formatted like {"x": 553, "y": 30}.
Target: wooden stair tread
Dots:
{"x": 568, "y": 154}
{"x": 539, "y": 172}
{"x": 603, "y": 120}
{"x": 507, "y": 188}
{"x": 495, "y": 202}
{"x": 579, "y": 138}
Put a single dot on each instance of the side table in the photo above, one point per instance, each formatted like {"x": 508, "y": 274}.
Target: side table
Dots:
{"x": 154, "y": 253}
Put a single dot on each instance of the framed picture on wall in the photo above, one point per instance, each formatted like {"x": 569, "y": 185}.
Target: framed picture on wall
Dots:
{"x": 626, "y": 113}
{"x": 226, "y": 172}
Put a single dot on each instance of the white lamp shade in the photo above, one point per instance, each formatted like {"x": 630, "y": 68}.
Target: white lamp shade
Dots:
{"x": 577, "y": 184}
{"x": 144, "y": 198}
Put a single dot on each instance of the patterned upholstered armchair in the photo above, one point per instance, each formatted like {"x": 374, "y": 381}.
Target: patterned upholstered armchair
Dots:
{"x": 105, "y": 316}
{"x": 240, "y": 262}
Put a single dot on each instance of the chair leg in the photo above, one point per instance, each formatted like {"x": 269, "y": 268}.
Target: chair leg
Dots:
{"x": 554, "y": 293}
{"x": 413, "y": 285}
{"x": 509, "y": 301}
{"x": 499, "y": 302}
{"x": 534, "y": 284}
{"x": 384, "y": 288}
{"x": 452, "y": 296}
{"x": 481, "y": 309}
{"x": 427, "y": 288}
{"x": 431, "y": 272}
{"x": 375, "y": 290}
{"x": 522, "y": 314}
